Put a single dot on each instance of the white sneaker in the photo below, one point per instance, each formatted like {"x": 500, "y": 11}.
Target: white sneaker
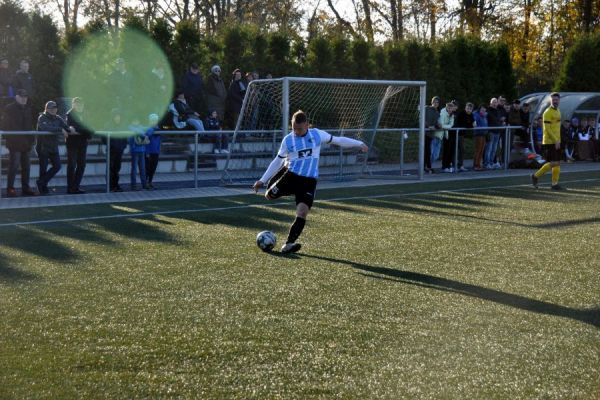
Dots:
{"x": 217, "y": 151}
{"x": 497, "y": 166}
{"x": 224, "y": 151}
{"x": 462, "y": 169}
{"x": 290, "y": 248}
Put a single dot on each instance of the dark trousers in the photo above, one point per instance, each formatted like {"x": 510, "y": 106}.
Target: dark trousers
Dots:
{"x": 116, "y": 158}
{"x": 448, "y": 146}
{"x": 75, "y": 165}
{"x": 151, "y": 164}
{"x": 427, "y": 152}
{"x": 45, "y": 158}
{"x": 16, "y": 158}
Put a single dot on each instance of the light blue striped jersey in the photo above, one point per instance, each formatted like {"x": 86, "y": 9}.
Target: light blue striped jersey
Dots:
{"x": 302, "y": 152}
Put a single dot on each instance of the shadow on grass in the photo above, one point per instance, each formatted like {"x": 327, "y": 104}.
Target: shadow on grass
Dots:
{"x": 10, "y": 274}
{"x": 590, "y": 316}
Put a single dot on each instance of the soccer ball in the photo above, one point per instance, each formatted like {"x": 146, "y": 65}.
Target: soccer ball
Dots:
{"x": 265, "y": 240}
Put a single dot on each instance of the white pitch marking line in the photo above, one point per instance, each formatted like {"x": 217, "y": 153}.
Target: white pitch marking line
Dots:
{"x": 197, "y": 210}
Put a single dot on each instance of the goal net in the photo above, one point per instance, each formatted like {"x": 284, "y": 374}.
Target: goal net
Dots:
{"x": 383, "y": 114}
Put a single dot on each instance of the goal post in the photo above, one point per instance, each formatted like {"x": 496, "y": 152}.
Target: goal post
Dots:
{"x": 387, "y": 115}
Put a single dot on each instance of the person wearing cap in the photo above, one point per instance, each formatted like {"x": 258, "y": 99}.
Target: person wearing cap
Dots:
{"x": 18, "y": 117}
{"x": 77, "y": 142}
{"x": 193, "y": 88}
{"x": 216, "y": 93}
{"x": 47, "y": 145}
{"x": 551, "y": 144}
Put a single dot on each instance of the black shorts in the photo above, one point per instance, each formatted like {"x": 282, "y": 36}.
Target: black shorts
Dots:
{"x": 551, "y": 153}
{"x": 286, "y": 183}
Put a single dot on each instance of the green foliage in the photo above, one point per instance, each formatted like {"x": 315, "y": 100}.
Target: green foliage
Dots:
{"x": 320, "y": 58}
{"x": 362, "y": 60}
{"x": 577, "y": 74}
{"x": 278, "y": 55}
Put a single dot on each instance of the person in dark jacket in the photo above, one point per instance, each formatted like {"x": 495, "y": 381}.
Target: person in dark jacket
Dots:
{"x": 47, "y": 145}
{"x": 118, "y": 143}
{"x": 221, "y": 140}
{"x": 18, "y": 117}
{"x": 77, "y": 143}
{"x": 216, "y": 93}
{"x": 5, "y": 81}
{"x": 193, "y": 87}
{"x": 152, "y": 149}
{"x": 23, "y": 79}
{"x": 235, "y": 97}
{"x": 464, "y": 119}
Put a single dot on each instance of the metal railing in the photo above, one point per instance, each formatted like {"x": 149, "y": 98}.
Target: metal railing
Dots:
{"x": 403, "y": 132}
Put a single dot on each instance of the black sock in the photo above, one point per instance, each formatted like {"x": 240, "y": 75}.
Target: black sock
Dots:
{"x": 296, "y": 229}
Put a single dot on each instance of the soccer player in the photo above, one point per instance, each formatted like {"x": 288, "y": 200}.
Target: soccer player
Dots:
{"x": 551, "y": 143}
{"x": 299, "y": 157}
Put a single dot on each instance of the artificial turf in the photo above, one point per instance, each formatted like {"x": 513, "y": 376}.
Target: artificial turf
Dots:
{"x": 480, "y": 289}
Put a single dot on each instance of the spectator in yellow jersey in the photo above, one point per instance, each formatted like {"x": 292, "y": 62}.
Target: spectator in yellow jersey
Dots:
{"x": 550, "y": 144}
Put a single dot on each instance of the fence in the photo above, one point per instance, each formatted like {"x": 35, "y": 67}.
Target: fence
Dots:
{"x": 188, "y": 154}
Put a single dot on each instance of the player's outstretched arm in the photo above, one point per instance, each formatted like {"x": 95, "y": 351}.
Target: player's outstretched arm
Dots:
{"x": 346, "y": 142}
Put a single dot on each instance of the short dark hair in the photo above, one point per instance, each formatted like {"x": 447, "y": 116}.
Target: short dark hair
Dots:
{"x": 299, "y": 117}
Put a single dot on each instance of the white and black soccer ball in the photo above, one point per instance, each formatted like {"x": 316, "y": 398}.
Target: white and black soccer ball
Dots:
{"x": 266, "y": 240}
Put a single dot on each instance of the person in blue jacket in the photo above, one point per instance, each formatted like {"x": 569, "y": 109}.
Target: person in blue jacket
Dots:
{"x": 152, "y": 149}
{"x": 137, "y": 150}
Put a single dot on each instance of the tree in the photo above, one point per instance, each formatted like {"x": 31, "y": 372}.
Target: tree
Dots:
{"x": 576, "y": 74}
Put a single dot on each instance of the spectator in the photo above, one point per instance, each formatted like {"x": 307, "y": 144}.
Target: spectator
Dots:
{"x": 446, "y": 122}
{"x": 193, "y": 88}
{"x": 491, "y": 148}
{"x": 160, "y": 82}
{"x": 183, "y": 114}
{"x": 118, "y": 143}
{"x": 152, "y": 149}
{"x": 514, "y": 119}
{"x": 525, "y": 118}
{"x": 432, "y": 115}
{"x": 595, "y": 140}
{"x": 23, "y": 79}
{"x": 464, "y": 119}
{"x": 121, "y": 83}
{"x": 77, "y": 142}
{"x": 137, "y": 150}
{"x": 235, "y": 97}
{"x": 47, "y": 145}
{"x": 503, "y": 109}
{"x": 479, "y": 137}
{"x": 584, "y": 148}
{"x": 571, "y": 140}
{"x": 18, "y": 117}
{"x": 5, "y": 81}
{"x": 269, "y": 76}
{"x": 221, "y": 140}
{"x": 216, "y": 93}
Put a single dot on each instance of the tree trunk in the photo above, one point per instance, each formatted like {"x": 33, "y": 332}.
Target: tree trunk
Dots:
{"x": 526, "y": 30}
{"x": 368, "y": 20}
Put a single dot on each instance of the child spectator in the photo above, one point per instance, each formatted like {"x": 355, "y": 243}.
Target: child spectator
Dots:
{"x": 221, "y": 140}
{"x": 152, "y": 149}
{"x": 137, "y": 148}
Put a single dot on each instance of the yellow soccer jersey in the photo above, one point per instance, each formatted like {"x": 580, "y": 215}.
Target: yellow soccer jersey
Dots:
{"x": 551, "y": 129}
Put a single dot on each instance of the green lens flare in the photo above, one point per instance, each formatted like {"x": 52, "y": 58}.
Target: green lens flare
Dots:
{"x": 123, "y": 73}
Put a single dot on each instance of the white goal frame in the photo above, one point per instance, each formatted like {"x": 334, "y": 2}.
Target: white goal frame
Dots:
{"x": 285, "y": 107}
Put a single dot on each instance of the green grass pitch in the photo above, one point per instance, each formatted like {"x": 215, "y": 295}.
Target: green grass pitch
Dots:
{"x": 484, "y": 289}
